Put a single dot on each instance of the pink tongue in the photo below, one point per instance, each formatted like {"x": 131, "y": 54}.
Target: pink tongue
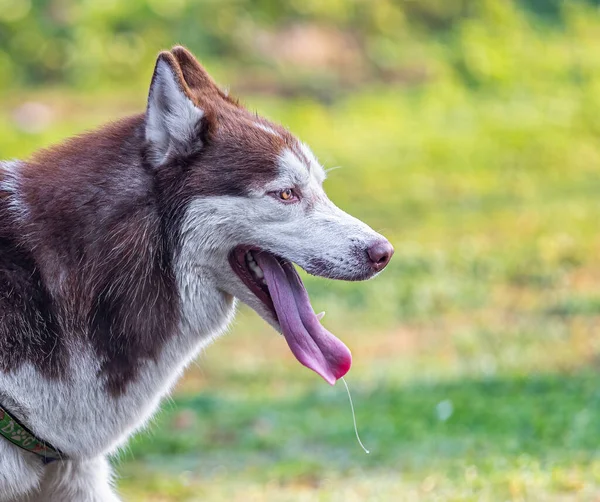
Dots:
{"x": 314, "y": 346}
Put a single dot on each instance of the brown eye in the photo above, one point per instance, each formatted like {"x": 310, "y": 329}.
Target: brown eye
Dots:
{"x": 286, "y": 194}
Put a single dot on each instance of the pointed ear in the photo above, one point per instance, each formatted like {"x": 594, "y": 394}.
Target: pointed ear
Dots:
{"x": 193, "y": 72}
{"x": 173, "y": 120}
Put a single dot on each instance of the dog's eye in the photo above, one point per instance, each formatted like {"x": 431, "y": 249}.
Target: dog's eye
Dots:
{"x": 287, "y": 194}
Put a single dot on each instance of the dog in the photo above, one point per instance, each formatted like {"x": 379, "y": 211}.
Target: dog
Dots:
{"x": 123, "y": 252}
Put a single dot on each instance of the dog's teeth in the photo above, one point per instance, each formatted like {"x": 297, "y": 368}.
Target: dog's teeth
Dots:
{"x": 256, "y": 270}
{"x": 321, "y": 315}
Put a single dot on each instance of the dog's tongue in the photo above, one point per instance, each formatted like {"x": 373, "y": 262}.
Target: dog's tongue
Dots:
{"x": 314, "y": 346}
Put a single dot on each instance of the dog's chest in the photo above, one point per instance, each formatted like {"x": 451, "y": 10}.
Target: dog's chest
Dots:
{"x": 80, "y": 417}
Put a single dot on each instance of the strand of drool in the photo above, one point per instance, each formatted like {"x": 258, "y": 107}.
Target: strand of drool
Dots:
{"x": 354, "y": 417}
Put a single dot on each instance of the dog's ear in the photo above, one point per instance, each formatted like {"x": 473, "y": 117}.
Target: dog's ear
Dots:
{"x": 193, "y": 72}
{"x": 174, "y": 116}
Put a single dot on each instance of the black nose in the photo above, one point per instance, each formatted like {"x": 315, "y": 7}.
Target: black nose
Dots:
{"x": 380, "y": 254}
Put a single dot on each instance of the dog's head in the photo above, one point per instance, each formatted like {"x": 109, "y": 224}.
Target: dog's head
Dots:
{"x": 251, "y": 203}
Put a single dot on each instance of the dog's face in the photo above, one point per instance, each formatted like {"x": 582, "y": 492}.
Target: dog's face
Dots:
{"x": 254, "y": 203}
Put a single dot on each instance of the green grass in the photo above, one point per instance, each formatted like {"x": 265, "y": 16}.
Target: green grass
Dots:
{"x": 495, "y": 438}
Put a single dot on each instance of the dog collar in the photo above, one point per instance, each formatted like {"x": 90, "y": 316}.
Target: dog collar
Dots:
{"x": 21, "y": 436}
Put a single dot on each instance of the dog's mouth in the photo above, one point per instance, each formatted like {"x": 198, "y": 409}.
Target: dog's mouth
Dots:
{"x": 275, "y": 282}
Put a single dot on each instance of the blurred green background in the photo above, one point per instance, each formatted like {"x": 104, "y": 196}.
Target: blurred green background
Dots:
{"x": 468, "y": 132}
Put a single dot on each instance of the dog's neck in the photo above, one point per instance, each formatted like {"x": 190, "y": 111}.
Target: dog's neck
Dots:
{"x": 123, "y": 312}
{"x": 90, "y": 219}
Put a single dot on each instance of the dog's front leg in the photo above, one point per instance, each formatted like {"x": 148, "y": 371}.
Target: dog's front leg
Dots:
{"x": 77, "y": 481}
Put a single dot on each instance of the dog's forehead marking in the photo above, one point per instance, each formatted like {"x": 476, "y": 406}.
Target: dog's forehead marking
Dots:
{"x": 300, "y": 169}
{"x": 309, "y": 156}
{"x": 300, "y": 164}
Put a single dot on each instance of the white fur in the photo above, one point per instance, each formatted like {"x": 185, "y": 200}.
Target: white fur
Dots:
{"x": 298, "y": 232}
{"x": 82, "y": 481}
{"x": 171, "y": 118}
{"x": 10, "y": 181}
{"x": 313, "y": 163}
{"x": 20, "y": 473}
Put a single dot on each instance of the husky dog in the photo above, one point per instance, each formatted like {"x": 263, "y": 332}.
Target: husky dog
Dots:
{"x": 122, "y": 254}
